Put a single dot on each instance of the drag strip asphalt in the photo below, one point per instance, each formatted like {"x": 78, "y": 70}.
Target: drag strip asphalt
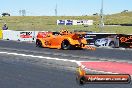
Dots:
{"x": 21, "y": 66}
{"x": 99, "y": 54}
{"x": 32, "y": 72}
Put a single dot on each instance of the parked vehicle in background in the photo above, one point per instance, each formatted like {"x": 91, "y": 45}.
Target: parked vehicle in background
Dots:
{"x": 110, "y": 41}
{"x": 5, "y": 14}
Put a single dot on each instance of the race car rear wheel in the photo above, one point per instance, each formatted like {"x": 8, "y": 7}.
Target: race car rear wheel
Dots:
{"x": 38, "y": 43}
{"x": 66, "y": 45}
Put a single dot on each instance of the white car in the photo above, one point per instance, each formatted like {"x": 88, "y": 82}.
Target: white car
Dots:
{"x": 105, "y": 42}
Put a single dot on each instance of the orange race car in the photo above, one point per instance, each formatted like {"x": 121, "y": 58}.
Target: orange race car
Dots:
{"x": 61, "y": 40}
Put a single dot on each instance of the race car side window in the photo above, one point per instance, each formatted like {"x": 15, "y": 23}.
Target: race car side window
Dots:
{"x": 56, "y": 33}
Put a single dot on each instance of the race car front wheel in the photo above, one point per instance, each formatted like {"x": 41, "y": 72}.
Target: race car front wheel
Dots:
{"x": 38, "y": 43}
{"x": 66, "y": 45}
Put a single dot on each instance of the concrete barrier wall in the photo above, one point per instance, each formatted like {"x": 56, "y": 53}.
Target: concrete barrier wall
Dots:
{"x": 10, "y": 35}
{"x": 28, "y": 35}
{"x": 20, "y": 35}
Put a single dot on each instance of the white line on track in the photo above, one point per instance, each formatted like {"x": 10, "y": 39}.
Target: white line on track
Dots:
{"x": 48, "y": 58}
{"x": 62, "y": 54}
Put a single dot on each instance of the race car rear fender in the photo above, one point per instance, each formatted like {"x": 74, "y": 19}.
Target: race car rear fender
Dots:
{"x": 77, "y": 42}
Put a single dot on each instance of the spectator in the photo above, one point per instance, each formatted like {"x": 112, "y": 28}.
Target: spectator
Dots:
{"x": 5, "y": 27}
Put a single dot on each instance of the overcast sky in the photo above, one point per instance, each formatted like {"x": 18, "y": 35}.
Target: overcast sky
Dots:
{"x": 65, "y": 7}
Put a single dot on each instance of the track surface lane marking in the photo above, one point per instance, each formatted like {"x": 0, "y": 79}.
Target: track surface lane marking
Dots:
{"x": 65, "y": 60}
{"x": 48, "y": 58}
{"x": 62, "y": 54}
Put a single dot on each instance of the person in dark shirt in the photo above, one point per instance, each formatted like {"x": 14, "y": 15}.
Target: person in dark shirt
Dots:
{"x": 5, "y": 27}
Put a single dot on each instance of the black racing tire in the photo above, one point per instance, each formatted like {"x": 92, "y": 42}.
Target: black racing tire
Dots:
{"x": 65, "y": 45}
{"x": 39, "y": 43}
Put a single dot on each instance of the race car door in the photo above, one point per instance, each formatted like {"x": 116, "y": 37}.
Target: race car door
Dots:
{"x": 55, "y": 40}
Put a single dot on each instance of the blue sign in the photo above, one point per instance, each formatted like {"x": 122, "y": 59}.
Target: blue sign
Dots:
{"x": 61, "y": 22}
{"x": 69, "y": 22}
